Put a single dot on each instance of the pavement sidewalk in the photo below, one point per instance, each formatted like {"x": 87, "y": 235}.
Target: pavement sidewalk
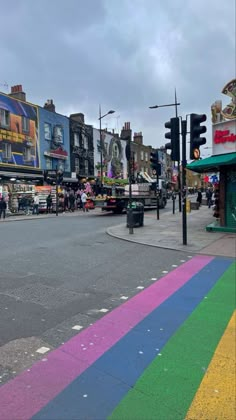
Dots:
{"x": 167, "y": 233}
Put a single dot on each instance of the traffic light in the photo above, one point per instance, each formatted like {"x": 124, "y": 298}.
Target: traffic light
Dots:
{"x": 195, "y": 134}
{"x": 173, "y": 135}
{"x": 155, "y": 165}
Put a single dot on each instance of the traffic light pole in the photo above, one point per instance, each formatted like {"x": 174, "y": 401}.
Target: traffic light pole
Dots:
{"x": 179, "y": 183}
{"x": 157, "y": 194}
{"x": 56, "y": 191}
{"x": 184, "y": 188}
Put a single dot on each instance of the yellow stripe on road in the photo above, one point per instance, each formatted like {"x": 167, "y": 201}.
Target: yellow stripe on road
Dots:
{"x": 216, "y": 397}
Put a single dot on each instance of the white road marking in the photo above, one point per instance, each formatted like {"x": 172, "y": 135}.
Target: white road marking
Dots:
{"x": 77, "y": 327}
{"x": 174, "y": 265}
{"x": 124, "y": 297}
{"x": 182, "y": 260}
{"x": 104, "y": 310}
{"x": 140, "y": 287}
{"x": 154, "y": 279}
{"x": 42, "y": 350}
{"x": 164, "y": 272}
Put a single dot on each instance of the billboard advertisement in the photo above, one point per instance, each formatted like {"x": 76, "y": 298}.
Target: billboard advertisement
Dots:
{"x": 18, "y": 133}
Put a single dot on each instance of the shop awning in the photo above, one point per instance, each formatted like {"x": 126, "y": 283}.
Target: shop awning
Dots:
{"x": 19, "y": 175}
{"x": 70, "y": 180}
{"x": 213, "y": 163}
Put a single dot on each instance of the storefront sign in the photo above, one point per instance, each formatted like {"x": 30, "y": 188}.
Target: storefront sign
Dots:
{"x": 224, "y": 137}
{"x": 58, "y": 154}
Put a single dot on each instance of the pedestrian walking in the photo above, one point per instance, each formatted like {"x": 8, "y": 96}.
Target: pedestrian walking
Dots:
{"x": 36, "y": 204}
{"x": 83, "y": 200}
{"x": 27, "y": 205}
{"x": 209, "y": 197}
{"x": 72, "y": 201}
{"x": 66, "y": 201}
{"x": 49, "y": 203}
{"x": 3, "y": 206}
{"x": 199, "y": 197}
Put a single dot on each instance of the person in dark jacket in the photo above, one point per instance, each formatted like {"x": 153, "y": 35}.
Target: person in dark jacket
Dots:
{"x": 199, "y": 197}
{"x": 209, "y": 197}
{"x": 49, "y": 203}
{"x": 3, "y": 206}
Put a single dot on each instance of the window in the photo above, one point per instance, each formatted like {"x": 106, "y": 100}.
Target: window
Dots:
{"x": 142, "y": 157}
{"x": 77, "y": 165}
{"x": 58, "y": 134}
{"x": 27, "y": 154}
{"x": 25, "y": 124}
{"x": 48, "y": 163}
{"x": 7, "y": 154}
{"x": 86, "y": 167}
{"x": 85, "y": 142}
{"x": 146, "y": 156}
{"x": 47, "y": 131}
{"x": 4, "y": 118}
{"x": 61, "y": 165}
{"x": 76, "y": 139}
{"x": 135, "y": 156}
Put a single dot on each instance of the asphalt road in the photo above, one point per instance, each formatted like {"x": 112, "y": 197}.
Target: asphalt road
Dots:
{"x": 61, "y": 274}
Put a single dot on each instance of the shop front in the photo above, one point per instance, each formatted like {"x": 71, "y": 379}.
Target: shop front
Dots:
{"x": 223, "y": 160}
{"x": 18, "y": 188}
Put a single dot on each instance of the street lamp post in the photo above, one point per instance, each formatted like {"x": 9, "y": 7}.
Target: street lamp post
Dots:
{"x": 100, "y": 132}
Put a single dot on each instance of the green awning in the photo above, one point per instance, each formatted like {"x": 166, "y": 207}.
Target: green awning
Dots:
{"x": 213, "y": 163}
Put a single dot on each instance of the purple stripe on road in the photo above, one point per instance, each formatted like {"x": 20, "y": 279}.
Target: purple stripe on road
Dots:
{"x": 25, "y": 395}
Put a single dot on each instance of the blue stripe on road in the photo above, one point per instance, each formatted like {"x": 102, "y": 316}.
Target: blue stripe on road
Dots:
{"x": 98, "y": 390}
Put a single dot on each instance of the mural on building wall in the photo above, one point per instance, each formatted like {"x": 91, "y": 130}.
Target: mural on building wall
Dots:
{"x": 113, "y": 152}
{"x": 54, "y": 140}
{"x": 18, "y": 133}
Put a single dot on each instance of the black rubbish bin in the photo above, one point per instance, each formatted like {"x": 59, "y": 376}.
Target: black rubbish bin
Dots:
{"x": 135, "y": 215}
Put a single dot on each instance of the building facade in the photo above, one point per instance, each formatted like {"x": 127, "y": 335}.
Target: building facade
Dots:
{"x": 54, "y": 139}
{"x": 113, "y": 155}
{"x": 81, "y": 148}
{"x": 19, "y": 134}
{"x": 223, "y": 161}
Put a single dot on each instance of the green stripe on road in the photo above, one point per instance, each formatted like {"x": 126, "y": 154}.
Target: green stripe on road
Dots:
{"x": 168, "y": 385}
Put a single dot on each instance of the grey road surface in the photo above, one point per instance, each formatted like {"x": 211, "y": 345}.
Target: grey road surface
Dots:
{"x": 59, "y": 275}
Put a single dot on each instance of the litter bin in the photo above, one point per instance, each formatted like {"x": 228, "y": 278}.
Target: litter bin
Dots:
{"x": 135, "y": 215}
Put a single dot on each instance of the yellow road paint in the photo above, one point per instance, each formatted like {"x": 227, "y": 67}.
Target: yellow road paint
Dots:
{"x": 216, "y": 396}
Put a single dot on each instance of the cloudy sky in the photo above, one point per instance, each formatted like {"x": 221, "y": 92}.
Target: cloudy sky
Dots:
{"x": 124, "y": 54}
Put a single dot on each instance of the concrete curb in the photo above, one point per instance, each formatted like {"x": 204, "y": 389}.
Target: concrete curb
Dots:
{"x": 108, "y": 232}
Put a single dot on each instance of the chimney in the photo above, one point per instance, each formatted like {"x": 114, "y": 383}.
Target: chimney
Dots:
{"x": 138, "y": 138}
{"x": 17, "y": 92}
{"x": 49, "y": 106}
{"x": 79, "y": 117}
{"x": 126, "y": 131}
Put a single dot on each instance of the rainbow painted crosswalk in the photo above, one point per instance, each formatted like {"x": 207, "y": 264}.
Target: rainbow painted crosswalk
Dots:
{"x": 167, "y": 353}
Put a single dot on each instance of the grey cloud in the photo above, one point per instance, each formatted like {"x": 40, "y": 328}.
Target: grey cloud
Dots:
{"x": 123, "y": 54}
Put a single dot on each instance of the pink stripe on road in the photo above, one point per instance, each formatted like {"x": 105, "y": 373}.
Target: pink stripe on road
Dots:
{"x": 25, "y": 395}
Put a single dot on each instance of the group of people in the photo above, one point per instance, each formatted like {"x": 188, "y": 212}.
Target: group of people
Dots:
{"x": 212, "y": 200}
{"x": 25, "y": 203}
{"x": 71, "y": 200}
